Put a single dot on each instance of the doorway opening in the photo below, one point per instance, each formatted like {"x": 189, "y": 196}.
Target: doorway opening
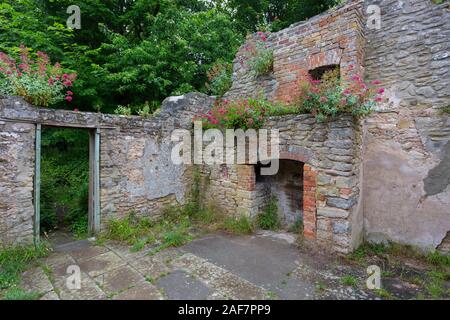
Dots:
{"x": 66, "y": 195}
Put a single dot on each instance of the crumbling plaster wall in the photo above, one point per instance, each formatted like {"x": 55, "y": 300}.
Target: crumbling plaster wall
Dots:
{"x": 136, "y": 171}
{"x": 407, "y": 142}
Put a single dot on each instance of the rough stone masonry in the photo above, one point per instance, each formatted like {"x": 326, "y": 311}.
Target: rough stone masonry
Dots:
{"x": 383, "y": 178}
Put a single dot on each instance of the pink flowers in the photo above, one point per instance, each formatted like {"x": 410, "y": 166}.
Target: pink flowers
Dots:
{"x": 323, "y": 99}
{"x": 356, "y": 78}
{"x": 380, "y": 91}
{"x": 262, "y": 36}
{"x": 36, "y": 80}
{"x": 245, "y": 113}
{"x": 69, "y": 96}
{"x": 347, "y": 92}
{"x": 376, "y": 82}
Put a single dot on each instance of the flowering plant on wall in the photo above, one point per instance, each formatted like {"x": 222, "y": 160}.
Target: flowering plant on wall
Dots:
{"x": 36, "y": 80}
{"x": 219, "y": 79}
{"x": 327, "y": 98}
{"x": 244, "y": 114}
{"x": 259, "y": 55}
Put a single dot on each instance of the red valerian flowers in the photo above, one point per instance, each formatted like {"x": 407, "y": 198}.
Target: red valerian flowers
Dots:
{"x": 244, "y": 113}
{"x": 35, "y": 79}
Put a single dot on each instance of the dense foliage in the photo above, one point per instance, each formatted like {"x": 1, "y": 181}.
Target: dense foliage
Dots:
{"x": 245, "y": 114}
{"x": 132, "y": 52}
{"x": 128, "y": 56}
{"x": 65, "y": 180}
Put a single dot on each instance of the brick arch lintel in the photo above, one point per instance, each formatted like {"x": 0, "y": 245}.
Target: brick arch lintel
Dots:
{"x": 301, "y": 154}
{"x": 330, "y": 57}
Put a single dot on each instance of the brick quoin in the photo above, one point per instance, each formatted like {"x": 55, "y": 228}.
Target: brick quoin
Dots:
{"x": 247, "y": 177}
{"x": 309, "y": 202}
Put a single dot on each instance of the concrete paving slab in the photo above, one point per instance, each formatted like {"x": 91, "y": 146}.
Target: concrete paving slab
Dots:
{"x": 101, "y": 264}
{"x": 88, "y": 252}
{"x": 150, "y": 267}
{"x": 88, "y": 289}
{"x": 118, "y": 280}
{"x": 141, "y": 291}
{"x": 264, "y": 261}
{"x": 124, "y": 252}
{"x": 180, "y": 285}
{"x": 50, "y": 296}
{"x": 36, "y": 280}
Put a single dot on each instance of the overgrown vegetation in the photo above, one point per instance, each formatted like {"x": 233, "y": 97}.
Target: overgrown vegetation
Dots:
{"x": 433, "y": 282}
{"x": 65, "y": 180}
{"x": 36, "y": 80}
{"x": 268, "y": 219}
{"x": 349, "y": 280}
{"x": 176, "y": 226}
{"x": 325, "y": 99}
{"x": 259, "y": 55}
{"x": 14, "y": 261}
{"x": 446, "y": 109}
{"x": 219, "y": 79}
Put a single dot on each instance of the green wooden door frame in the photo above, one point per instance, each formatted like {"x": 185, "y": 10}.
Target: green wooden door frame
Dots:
{"x": 37, "y": 185}
{"x": 94, "y": 183}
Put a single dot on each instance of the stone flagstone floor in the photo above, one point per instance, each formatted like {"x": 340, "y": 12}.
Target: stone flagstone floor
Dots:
{"x": 262, "y": 266}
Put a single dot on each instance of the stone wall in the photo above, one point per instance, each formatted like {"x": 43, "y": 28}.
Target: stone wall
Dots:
{"x": 406, "y": 143}
{"x": 16, "y": 181}
{"x": 329, "y": 154}
{"x": 136, "y": 171}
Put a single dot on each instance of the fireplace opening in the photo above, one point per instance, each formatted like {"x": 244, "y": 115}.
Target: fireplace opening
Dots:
{"x": 286, "y": 189}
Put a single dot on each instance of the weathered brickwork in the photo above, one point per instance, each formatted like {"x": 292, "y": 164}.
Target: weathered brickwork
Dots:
{"x": 407, "y": 143}
{"x": 309, "y": 202}
{"x": 333, "y": 38}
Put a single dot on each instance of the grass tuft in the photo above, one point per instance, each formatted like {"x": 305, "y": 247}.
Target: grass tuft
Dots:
{"x": 13, "y": 262}
{"x": 349, "y": 280}
{"x": 241, "y": 225}
{"x": 268, "y": 219}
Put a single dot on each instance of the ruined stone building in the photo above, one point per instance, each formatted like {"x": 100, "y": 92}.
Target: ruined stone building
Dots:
{"x": 385, "y": 177}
